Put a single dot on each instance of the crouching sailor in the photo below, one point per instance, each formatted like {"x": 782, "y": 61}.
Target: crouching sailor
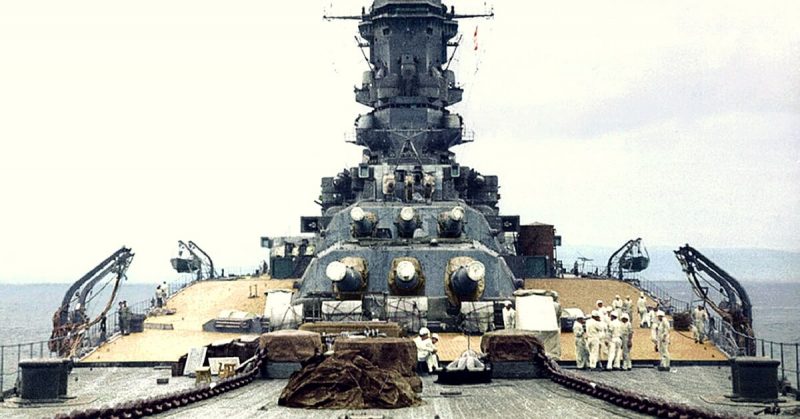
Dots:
{"x": 426, "y": 351}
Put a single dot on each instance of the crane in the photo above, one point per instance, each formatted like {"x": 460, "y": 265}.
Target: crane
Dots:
{"x": 734, "y": 307}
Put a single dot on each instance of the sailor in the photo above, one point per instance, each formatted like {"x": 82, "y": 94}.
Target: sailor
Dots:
{"x": 641, "y": 307}
{"x": 557, "y": 306}
{"x": 700, "y": 317}
{"x": 626, "y": 306}
{"x": 615, "y": 342}
{"x": 164, "y": 293}
{"x": 662, "y": 334}
{"x": 601, "y": 309}
{"x": 159, "y": 301}
{"x": 581, "y": 350}
{"x": 119, "y": 318}
{"x": 435, "y": 339}
{"x": 626, "y": 336}
{"x": 509, "y": 316}
{"x": 426, "y": 351}
{"x": 616, "y": 305}
{"x": 652, "y": 322}
{"x": 649, "y": 317}
{"x": 125, "y": 318}
{"x": 595, "y": 332}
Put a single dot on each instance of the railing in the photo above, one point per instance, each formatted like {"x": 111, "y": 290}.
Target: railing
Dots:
{"x": 94, "y": 336}
{"x": 664, "y": 299}
{"x": 11, "y": 355}
{"x": 728, "y": 340}
{"x": 734, "y": 343}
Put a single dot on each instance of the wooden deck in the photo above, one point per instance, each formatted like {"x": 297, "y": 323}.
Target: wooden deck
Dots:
{"x": 194, "y": 306}
{"x": 202, "y": 302}
{"x": 583, "y": 293}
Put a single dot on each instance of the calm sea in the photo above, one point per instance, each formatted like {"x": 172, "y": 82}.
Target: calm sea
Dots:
{"x": 26, "y": 311}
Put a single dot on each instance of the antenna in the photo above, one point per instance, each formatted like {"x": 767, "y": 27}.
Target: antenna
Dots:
{"x": 361, "y": 47}
{"x": 453, "y": 54}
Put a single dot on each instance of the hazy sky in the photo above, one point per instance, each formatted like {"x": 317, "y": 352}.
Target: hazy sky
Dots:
{"x": 141, "y": 123}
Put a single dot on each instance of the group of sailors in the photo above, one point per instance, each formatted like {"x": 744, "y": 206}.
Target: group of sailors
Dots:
{"x": 608, "y": 334}
{"x": 162, "y": 293}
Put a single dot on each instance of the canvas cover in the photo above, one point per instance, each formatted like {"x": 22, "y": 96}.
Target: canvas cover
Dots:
{"x": 345, "y": 310}
{"x": 536, "y": 313}
{"x": 391, "y": 329}
{"x": 346, "y": 380}
{"x": 398, "y": 354}
{"x": 510, "y": 345}
{"x": 291, "y": 345}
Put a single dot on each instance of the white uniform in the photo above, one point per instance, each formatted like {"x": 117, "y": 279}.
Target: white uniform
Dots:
{"x": 662, "y": 334}
{"x": 615, "y": 344}
{"x": 595, "y": 334}
{"x": 426, "y": 353}
{"x": 626, "y": 336}
{"x": 641, "y": 307}
{"x": 648, "y": 318}
{"x": 509, "y": 318}
{"x": 616, "y": 306}
{"x": 699, "y": 331}
{"x": 581, "y": 350}
{"x": 626, "y": 307}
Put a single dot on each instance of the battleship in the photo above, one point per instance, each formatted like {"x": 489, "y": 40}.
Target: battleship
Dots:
{"x": 406, "y": 238}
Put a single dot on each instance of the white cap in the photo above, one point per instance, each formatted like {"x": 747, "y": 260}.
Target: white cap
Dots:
{"x": 407, "y": 213}
{"x": 613, "y": 314}
{"x": 336, "y": 271}
{"x": 625, "y": 316}
{"x": 641, "y": 294}
{"x": 598, "y": 302}
{"x": 357, "y": 214}
{"x": 616, "y": 296}
{"x": 435, "y": 336}
{"x": 476, "y": 270}
{"x": 457, "y": 213}
{"x": 506, "y": 303}
{"x": 595, "y": 313}
{"x": 424, "y": 331}
{"x": 659, "y": 313}
{"x": 405, "y": 270}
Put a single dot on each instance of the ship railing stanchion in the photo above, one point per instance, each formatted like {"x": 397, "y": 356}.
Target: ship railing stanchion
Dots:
{"x": 763, "y": 352}
{"x": 2, "y": 368}
{"x": 783, "y": 367}
{"x": 19, "y": 356}
{"x": 771, "y": 352}
{"x": 796, "y": 370}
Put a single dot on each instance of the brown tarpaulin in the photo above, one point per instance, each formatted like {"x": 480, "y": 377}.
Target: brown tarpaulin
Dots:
{"x": 290, "y": 345}
{"x": 510, "y": 345}
{"x": 347, "y": 380}
{"x": 397, "y": 354}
